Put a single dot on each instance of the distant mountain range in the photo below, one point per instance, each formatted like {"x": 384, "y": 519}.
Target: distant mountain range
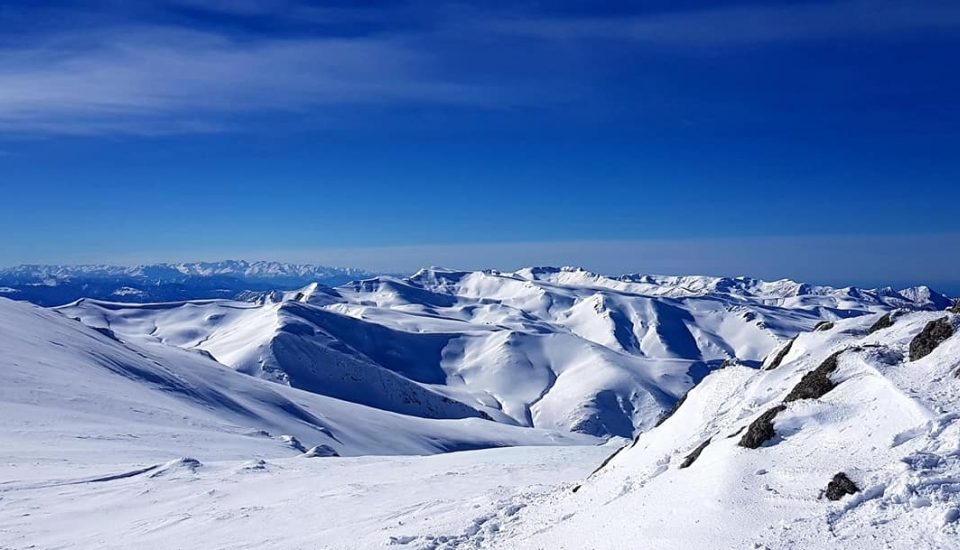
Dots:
{"x": 50, "y": 285}
{"x": 554, "y": 348}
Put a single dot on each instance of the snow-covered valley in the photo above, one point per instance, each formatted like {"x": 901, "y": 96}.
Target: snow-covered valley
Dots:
{"x": 473, "y": 409}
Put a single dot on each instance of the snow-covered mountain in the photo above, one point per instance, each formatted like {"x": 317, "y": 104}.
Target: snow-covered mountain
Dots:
{"x": 844, "y": 436}
{"x": 60, "y": 284}
{"x": 68, "y": 389}
{"x": 849, "y": 440}
{"x": 561, "y": 349}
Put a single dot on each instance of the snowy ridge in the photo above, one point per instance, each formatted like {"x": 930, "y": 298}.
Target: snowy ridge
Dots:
{"x": 556, "y": 348}
{"x": 70, "y": 390}
{"x": 891, "y": 425}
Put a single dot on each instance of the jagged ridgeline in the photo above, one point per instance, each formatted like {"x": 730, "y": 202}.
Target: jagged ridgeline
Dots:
{"x": 555, "y": 348}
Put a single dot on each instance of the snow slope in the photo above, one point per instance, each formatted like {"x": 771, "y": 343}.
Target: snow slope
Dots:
{"x": 890, "y": 424}
{"x": 562, "y": 349}
{"x": 70, "y": 393}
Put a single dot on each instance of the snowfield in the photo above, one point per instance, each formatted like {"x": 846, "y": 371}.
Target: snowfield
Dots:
{"x": 536, "y": 409}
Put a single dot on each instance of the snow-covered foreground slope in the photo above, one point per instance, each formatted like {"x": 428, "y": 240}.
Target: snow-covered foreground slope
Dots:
{"x": 562, "y": 349}
{"x": 288, "y": 503}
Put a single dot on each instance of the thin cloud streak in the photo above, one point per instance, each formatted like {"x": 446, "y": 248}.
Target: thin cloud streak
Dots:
{"x": 160, "y": 80}
{"x": 120, "y": 79}
{"x": 746, "y": 25}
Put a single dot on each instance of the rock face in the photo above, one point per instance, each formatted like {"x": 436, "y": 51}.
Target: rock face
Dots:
{"x": 761, "y": 430}
{"x": 932, "y": 335}
{"x": 823, "y": 326}
{"x": 883, "y": 322}
{"x": 840, "y": 486}
{"x": 780, "y": 355}
{"x": 817, "y": 382}
{"x": 694, "y": 455}
{"x": 956, "y": 306}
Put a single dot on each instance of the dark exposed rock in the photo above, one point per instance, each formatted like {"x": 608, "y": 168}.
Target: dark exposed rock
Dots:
{"x": 840, "y": 486}
{"x": 883, "y": 322}
{"x": 817, "y": 382}
{"x": 932, "y": 335}
{"x": 956, "y": 306}
{"x": 672, "y": 411}
{"x": 780, "y": 355}
{"x": 695, "y": 454}
{"x": 761, "y": 430}
{"x": 823, "y": 326}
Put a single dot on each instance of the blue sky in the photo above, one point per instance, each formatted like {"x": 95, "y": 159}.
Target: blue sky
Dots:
{"x": 623, "y": 136}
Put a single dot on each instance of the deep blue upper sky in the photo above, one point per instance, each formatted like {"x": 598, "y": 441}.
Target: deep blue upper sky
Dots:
{"x": 396, "y": 133}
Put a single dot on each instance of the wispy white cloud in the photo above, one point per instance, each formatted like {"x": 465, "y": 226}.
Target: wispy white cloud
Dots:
{"x": 160, "y": 80}
{"x": 165, "y": 79}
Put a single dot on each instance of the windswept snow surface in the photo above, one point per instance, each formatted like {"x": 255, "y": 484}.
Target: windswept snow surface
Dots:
{"x": 556, "y": 348}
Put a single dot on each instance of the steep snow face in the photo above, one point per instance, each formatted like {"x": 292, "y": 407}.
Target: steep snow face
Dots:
{"x": 75, "y": 394}
{"x": 888, "y": 424}
{"x": 561, "y": 349}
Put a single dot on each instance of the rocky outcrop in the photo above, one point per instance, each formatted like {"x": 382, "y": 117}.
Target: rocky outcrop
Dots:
{"x": 956, "y": 306}
{"x": 761, "y": 430}
{"x": 840, "y": 486}
{"x": 817, "y": 382}
{"x": 694, "y": 455}
{"x": 883, "y": 322}
{"x": 933, "y": 334}
{"x": 823, "y": 326}
{"x": 778, "y": 358}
